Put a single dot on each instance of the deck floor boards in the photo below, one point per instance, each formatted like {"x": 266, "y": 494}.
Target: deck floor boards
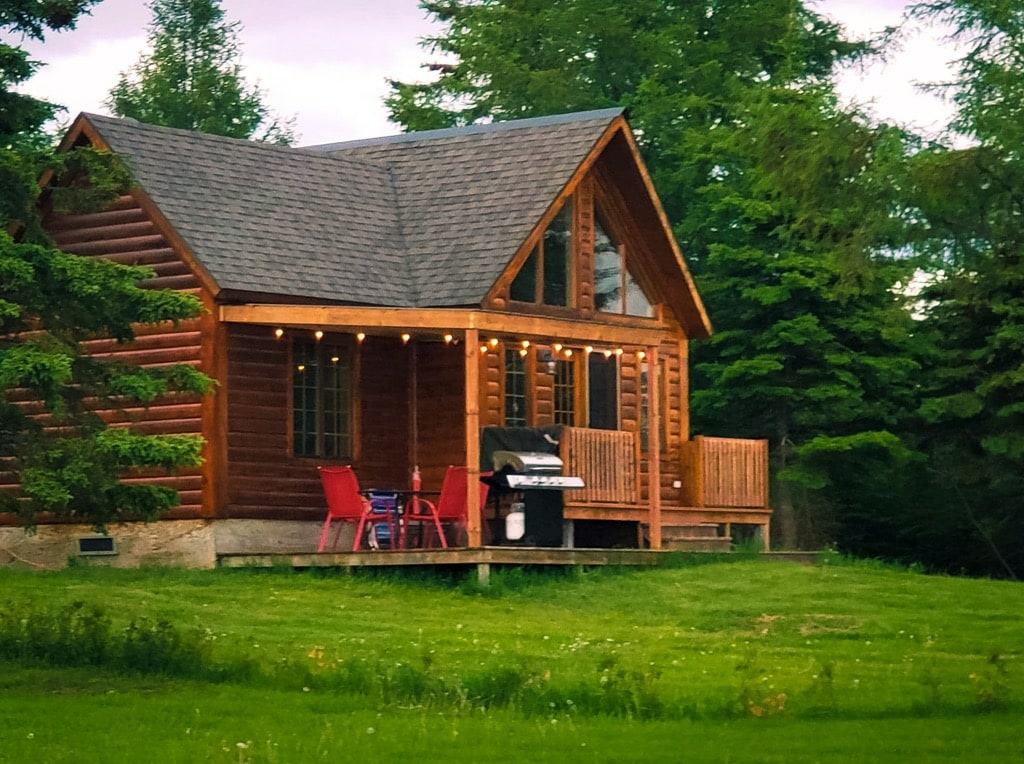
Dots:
{"x": 506, "y": 555}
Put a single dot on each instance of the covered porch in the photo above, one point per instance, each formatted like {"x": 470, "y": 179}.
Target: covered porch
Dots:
{"x": 425, "y": 385}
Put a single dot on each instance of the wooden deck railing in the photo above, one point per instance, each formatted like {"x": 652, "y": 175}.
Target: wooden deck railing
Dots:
{"x": 607, "y": 460}
{"x": 725, "y": 472}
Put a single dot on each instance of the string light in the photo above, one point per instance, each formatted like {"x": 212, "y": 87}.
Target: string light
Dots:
{"x": 588, "y": 349}
{"x": 607, "y": 353}
{"x": 523, "y": 352}
{"x": 618, "y": 351}
{"x": 405, "y": 338}
{"x": 641, "y": 355}
{"x": 318, "y": 334}
{"x": 494, "y": 342}
{"x": 448, "y": 339}
{"x": 483, "y": 348}
{"x": 361, "y": 336}
{"x": 526, "y": 344}
{"x": 558, "y": 347}
{"x": 279, "y": 333}
{"x": 568, "y": 352}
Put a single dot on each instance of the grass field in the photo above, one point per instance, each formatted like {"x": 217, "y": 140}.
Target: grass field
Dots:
{"x": 708, "y": 660}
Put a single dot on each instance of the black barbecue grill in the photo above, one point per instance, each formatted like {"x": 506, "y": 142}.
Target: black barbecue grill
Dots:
{"x": 532, "y": 470}
{"x": 533, "y": 478}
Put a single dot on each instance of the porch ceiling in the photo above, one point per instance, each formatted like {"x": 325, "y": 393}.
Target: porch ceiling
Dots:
{"x": 418, "y": 322}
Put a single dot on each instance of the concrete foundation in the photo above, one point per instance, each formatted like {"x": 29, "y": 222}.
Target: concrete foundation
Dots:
{"x": 170, "y": 543}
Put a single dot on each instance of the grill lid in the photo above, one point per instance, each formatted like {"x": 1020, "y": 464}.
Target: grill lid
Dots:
{"x": 527, "y": 462}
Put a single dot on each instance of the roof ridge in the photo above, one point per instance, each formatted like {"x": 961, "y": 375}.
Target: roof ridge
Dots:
{"x": 225, "y": 139}
{"x": 475, "y": 129}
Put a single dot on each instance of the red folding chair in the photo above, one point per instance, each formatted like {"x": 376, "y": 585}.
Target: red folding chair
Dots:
{"x": 346, "y": 503}
{"x": 451, "y": 508}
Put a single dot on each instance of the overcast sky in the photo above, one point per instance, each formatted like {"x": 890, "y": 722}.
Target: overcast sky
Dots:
{"x": 327, "y": 62}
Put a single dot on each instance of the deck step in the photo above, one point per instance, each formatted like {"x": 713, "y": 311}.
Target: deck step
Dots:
{"x": 694, "y": 538}
{"x": 702, "y": 531}
{"x": 721, "y": 544}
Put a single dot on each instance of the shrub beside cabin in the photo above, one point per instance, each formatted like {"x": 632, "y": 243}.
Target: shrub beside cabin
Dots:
{"x": 379, "y": 302}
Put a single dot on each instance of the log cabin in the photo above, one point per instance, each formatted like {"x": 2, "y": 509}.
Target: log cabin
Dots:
{"x": 381, "y": 303}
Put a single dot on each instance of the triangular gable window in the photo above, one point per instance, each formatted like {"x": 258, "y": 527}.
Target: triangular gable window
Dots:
{"x": 615, "y": 289}
{"x": 546, "y": 276}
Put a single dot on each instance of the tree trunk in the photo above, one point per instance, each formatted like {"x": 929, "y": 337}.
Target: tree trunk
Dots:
{"x": 784, "y": 532}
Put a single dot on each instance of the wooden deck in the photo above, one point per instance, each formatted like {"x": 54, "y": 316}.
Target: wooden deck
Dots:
{"x": 492, "y": 555}
{"x": 482, "y": 558}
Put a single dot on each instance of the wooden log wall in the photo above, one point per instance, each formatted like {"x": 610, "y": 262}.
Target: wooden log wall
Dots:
{"x": 124, "y": 233}
{"x": 492, "y": 383}
{"x": 266, "y": 479}
{"x": 383, "y": 406}
{"x": 583, "y": 249}
{"x": 441, "y": 408}
{"x": 675, "y": 416}
{"x": 263, "y": 478}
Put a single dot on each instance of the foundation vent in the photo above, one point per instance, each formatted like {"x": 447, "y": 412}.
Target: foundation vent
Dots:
{"x": 94, "y": 546}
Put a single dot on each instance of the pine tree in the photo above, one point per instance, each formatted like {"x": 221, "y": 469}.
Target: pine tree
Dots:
{"x": 973, "y": 201}
{"x": 51, "y": 440}
{"x": 191, "y": 78}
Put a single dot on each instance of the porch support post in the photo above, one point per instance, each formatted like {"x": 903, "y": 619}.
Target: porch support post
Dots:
{"x": 472, "y": 418}
{"x": 654, "y": 446}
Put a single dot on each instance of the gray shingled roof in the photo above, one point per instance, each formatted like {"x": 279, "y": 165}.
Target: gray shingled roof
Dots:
{"x": 416, "y": 220}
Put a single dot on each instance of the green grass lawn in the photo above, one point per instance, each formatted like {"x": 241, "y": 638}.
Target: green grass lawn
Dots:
{"x": 727, "y": 661}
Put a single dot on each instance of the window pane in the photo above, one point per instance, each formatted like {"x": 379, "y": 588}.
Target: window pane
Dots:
{"x": 515, "y": 389}
{"x": 524, "y": 287}
{"x": 304, "y": 373}
{"x": 602, "y": 392}
{"x": 321, "y": 400}
{"x": 637, "y": 303}
{"x": 565, "y": 392}
{"x": 335, "y": 397}
{"x": 557, "y": 255}
{"x": 607, "y": 272}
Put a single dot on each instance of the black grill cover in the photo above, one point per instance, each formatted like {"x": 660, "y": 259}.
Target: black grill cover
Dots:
{"x": 517, "y": 439}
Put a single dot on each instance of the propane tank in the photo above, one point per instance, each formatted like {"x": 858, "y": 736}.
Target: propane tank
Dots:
{"x": 515, "y": 522}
